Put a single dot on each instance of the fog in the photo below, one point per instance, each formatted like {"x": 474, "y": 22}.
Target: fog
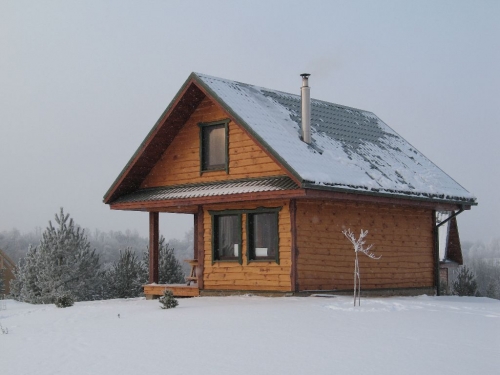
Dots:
{"x": 82, "y": 83}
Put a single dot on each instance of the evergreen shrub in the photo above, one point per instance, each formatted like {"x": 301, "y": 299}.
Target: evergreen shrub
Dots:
{"x": 168, "y": 300}
{"x": 64, "y": 300}
{"x": 465, "y": 283}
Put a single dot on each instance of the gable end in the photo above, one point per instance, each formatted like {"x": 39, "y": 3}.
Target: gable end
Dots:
{"x": 161, "y": 135}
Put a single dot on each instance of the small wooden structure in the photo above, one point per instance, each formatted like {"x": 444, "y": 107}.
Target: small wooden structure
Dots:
{"x": 450, "y": 249}
{"x": 7, "y": 266}
{"x": 269, "y": 209}
{"x": 179, "y": 290}
{"x": 192, "y": 278}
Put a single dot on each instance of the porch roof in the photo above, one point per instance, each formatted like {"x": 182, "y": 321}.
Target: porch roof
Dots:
{"x": 219, "y": 188}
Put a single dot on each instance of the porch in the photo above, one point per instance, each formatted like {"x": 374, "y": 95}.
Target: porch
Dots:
{"x": 179, "y": 290}
{"x": 154, "y": 289}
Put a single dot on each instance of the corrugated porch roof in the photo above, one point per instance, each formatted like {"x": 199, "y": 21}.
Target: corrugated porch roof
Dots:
{"x": 213, "y": 189}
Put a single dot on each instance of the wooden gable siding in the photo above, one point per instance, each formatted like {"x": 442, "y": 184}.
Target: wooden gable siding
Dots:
{"x": 258, "y": 276}
{"x": 402, "y": 236}
{"x": 180, "y": 163}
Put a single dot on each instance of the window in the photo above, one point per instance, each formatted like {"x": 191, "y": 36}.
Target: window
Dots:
{"x": 262, "y": 238}
{"x": 213, "y": 142}
{"x": 262, "y": 234}
{"x": 226, "y": 237}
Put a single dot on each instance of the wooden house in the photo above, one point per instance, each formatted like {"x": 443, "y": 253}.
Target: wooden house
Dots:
{"x": 7, "y": 267}
{"x": 273, "y": 179}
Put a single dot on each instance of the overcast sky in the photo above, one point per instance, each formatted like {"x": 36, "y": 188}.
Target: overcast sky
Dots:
{"x": 82, "y": 83}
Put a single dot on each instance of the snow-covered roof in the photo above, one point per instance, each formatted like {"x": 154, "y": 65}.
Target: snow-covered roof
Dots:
{"x": 352, "y": 150}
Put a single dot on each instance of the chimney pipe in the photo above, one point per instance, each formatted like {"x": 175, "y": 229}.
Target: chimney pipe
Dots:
{"x": 305, "y": 95}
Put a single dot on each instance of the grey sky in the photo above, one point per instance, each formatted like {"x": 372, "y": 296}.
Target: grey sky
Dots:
{"x": 82, "y": 83}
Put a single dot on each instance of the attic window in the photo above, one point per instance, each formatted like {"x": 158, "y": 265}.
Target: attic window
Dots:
{"x": 214, "y": 146}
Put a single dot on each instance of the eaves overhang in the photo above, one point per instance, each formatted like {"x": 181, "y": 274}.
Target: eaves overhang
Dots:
{"x": 124, "y": 184}
{"x": 394, "y": 194}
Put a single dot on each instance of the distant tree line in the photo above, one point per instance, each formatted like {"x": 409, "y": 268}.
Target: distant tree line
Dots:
{"x": 106, "y": 244}
{"x": 67, "y": 262}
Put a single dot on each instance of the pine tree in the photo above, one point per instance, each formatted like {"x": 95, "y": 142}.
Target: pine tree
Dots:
{"x": 169, "y": 267}
{"x": 63, "y": 263}
{"x": 24, "y": 287}
{"x": 465, "y": 283}
{"x": 123, "y": 279}
{"x": 168, "y": 301}
{"x": 493, "y": 290}
{"x": 64, "y": 300}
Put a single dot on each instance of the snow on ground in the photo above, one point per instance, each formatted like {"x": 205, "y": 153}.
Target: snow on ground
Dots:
{"x": 254, "y": 335}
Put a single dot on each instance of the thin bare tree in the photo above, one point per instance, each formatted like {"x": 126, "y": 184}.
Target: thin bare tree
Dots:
{"x": 359, "y": 246}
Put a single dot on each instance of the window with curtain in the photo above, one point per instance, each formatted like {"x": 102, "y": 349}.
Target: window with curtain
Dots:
{"x": 227, "y": 237}
{"x": 263, "y": 236}
{"x": 213, "y": 147}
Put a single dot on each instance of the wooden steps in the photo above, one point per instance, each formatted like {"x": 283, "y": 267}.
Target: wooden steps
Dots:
{"x": 179, "y": 290}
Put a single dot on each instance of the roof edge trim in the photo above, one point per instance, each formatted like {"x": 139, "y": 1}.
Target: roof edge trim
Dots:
{"x": 140, "y": 149}
{"x": 400, "y": 195}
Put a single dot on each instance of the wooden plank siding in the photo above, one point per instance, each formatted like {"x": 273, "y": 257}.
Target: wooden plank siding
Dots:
{"x": 256, "y": 276}
{"x": 8, "y": 267}
{"x": 180, "y": 163}
{"x": 401, "y": 235}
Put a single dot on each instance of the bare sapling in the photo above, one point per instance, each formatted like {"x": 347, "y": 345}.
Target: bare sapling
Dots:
{"x": 359, "y": 246}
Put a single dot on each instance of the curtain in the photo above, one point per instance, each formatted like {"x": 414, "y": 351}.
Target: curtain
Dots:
{"x": 265, "y": 230}
{"x": 227, "y": 236}
{"x": 214, "y": 148}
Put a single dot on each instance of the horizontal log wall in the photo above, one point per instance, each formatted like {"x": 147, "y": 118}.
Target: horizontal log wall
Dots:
{"x": 180, "y": 164}
{"x": 268, "y": 276}
{"x": 7, "y": 266}
{"x": 402, "y": 236}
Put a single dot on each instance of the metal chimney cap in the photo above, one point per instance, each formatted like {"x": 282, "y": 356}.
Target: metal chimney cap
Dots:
{"x": 305, "y": 75}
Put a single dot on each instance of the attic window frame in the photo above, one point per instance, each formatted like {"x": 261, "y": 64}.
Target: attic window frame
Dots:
{"x": 219, "y": 167}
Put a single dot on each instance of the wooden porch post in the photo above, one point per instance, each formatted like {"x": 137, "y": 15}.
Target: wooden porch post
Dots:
{"x": 154, "y": 238}
{"x": 195, "y": 234}
{"x": 435, "y": 232}
{"x": 199, "y": 245}
{"x": 293, "y": 224}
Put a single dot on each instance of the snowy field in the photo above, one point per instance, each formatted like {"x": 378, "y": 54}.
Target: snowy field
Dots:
{"x": 254, "y": 335}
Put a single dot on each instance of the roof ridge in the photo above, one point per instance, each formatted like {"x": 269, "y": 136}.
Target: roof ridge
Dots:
{"x": 200, "y": 75}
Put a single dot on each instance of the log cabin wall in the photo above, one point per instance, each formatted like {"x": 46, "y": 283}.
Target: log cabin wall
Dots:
{"x": 180, "y": 163}
{"x": 7, "y": 266}
{"x": 257, "y": 275}
{"x": 402, "y": 236}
